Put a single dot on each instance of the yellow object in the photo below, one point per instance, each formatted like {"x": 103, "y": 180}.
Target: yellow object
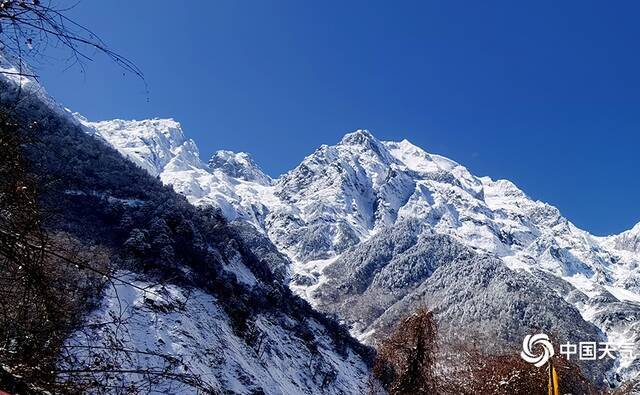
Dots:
{"x": 554, "y": 387}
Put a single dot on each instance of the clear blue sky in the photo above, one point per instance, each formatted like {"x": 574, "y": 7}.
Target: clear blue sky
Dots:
{"x": 545, "y": 93}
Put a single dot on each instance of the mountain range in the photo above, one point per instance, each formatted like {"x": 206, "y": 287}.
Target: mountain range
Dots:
{"x": 373, "y": 229}
{"x": 240, "y": 284}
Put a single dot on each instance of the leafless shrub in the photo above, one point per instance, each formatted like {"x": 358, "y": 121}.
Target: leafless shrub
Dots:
{"x": 406, "y": 360}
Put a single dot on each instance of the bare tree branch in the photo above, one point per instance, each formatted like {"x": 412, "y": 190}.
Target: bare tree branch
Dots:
{"x": 28, "y": 28}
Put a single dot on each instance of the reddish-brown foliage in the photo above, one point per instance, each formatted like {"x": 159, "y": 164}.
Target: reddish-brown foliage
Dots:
{"x": 405, "y": 361}
{"x": 410, "y": 361}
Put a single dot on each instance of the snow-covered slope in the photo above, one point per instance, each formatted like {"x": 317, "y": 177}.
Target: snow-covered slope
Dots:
{"x": 189, "y": 331}
{"x": 626, "y": 241}
{"x": 197, "y": 310}
{"x": 343, "y": 195}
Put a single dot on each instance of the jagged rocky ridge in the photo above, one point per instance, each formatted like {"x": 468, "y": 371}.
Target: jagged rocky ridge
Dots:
{"x": 519, "y": 263}
{"x": 188, "y": 285}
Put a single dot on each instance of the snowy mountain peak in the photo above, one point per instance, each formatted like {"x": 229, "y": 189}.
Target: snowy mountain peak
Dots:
{"x": 359, "y": 137}
{"x": 233, "y": 182}
{"x": 168, "y": 128}
{"x": 363, "y": 140}
{"x": 153, "y": 144}
{"x": 417, "y": 159}
{"x": 239, "y": 165}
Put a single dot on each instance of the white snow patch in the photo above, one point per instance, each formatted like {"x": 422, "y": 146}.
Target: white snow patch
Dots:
{"x": 160, "y": 321}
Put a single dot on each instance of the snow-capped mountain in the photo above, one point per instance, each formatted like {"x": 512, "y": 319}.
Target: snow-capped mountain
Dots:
{"x": 231, "y": 182}
{"x": 205, "y": 314}
{"x": 156, "y": 145}
{"x": 333, "y": 214}
{"x": 368, "y": 230}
